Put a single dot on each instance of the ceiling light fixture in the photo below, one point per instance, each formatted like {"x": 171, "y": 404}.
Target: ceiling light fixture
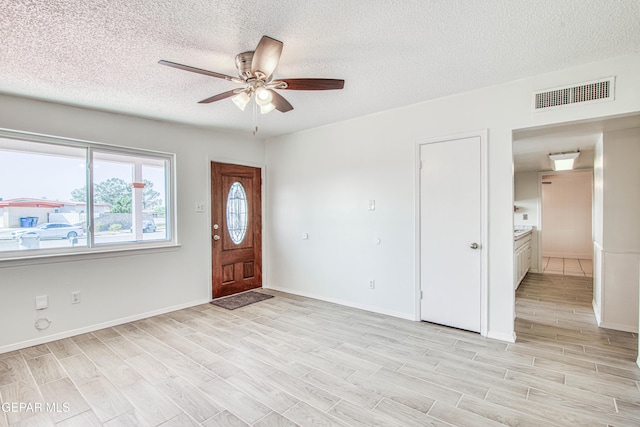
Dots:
{"x": 563, "y": 161}
{"x": 263, "y": 96}
{"x": 263, "y": 99}
{"x": 241, "y": 99}
{"x": 265, "y": 109}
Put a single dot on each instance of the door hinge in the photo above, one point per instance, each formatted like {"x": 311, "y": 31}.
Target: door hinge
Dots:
{"x": 421, "y": 295}
{"x": 421, "y": 162}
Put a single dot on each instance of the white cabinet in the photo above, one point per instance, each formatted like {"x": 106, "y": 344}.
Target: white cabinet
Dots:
{"x": 522, "y": 258}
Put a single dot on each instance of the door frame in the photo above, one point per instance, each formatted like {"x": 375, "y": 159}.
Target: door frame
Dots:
{"x": 484, "y": 264}
{"x": 209, "y": 215}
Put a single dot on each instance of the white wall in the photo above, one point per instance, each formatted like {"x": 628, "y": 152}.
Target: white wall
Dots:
{"x": 133, "y": 284}
{"x": 527, "y": 199}
{"x": 567, "y": 230}
{"x": 319, "y": 181}
{"x": 621, "y": 198}
{"x": 617, "y": 242}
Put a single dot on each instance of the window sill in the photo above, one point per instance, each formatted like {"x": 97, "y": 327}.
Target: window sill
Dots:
{"x": 94, "y": 253}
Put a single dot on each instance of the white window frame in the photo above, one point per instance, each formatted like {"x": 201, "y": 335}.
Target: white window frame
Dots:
{"x": 92, "y": 247}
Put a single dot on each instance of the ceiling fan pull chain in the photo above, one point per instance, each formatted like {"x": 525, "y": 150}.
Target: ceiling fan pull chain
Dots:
{"x": 255, "y": 119}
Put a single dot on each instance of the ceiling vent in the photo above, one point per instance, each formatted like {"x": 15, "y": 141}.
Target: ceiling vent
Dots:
{"x": 594, "y": 91}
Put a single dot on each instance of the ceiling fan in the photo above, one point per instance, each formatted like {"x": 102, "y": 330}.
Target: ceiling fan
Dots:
{"x": 255, "y": 71}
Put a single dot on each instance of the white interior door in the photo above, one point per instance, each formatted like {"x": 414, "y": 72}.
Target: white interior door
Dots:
{"x": 451, "y": 219}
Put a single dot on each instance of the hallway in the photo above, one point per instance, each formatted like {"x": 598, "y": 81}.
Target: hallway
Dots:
{"x": 554, "y": 315}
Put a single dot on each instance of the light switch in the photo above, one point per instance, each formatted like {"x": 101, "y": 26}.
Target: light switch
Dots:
{"x": 525, "y": 217}
{"x": 372, "y": 205}
{"x": 199, "y": 206}
{"x": 305, "y": 236}
{"x": 42, "y": 302}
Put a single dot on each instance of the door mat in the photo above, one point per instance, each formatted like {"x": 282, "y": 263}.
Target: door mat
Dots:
{"x": 240, "y": 300}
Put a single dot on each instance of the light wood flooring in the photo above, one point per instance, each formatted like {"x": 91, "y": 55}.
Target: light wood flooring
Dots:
{"x": 296, "y": 361}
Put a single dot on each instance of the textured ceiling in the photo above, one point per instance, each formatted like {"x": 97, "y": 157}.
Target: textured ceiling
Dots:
{"x": 531, "y": 147}
{"x": 104, "y": 53}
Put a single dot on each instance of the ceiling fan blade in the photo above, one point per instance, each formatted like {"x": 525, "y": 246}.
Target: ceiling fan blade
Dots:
{"x": 313, "y": 84}
{"x": 195, "y": 70}
{"x": 266, "y": 56}
{"x": 218, "y": 97}
{"x": 281, "y": 104}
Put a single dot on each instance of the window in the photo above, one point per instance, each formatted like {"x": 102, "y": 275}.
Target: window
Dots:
{"x": 59, "y": 195}
{"x": 237, "y": 213}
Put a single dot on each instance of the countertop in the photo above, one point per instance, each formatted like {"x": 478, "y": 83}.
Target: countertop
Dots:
{"x": 519, "y": 234}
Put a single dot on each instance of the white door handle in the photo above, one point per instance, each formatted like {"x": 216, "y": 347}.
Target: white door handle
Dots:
{"x": 216, "y": 237}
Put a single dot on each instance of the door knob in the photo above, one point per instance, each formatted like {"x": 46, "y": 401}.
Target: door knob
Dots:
{"x": 474, "y": 245}
{"x": 216, "y": 237}
{"x": 216, "y": 226}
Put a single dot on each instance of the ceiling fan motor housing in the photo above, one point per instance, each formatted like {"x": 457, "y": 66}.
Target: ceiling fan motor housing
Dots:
{"x": 243, "y": 63}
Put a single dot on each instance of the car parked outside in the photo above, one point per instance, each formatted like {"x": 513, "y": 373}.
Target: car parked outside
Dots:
{"x": 50, "y": 230}
{"x": 148, "y": 226}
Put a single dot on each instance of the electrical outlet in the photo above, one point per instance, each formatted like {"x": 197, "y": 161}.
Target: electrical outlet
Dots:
{"x": 200, "y": 207}
{"x": 75, "y": 297}
{"x": 372, "y": 284}
{"x": 525, "y": 217}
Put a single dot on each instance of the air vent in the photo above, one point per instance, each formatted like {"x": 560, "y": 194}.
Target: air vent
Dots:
{"x": 595, "y": 91}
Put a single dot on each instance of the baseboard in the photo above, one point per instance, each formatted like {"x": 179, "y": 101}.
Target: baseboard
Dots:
{"x": 84, "y": 330}
{"x": 500, "y": 336}
{"x": 346, "y": 303}
{"x": 619, "y": 327}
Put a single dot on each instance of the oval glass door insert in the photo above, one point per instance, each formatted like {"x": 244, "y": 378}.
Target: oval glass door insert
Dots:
{"x": 237, "y": 212}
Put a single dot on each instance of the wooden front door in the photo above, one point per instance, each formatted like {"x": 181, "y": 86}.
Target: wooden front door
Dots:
{"x": 236, "y": 229}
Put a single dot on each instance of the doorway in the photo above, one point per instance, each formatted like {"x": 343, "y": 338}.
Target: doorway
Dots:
{"x": 236, "y": 228}
{"x": 566, "y": 231}
{"x": 452, "y": 231}
{"x": 601, "y": 138}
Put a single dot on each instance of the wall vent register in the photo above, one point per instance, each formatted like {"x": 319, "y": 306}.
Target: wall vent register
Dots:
{"x": 599, "y": 90}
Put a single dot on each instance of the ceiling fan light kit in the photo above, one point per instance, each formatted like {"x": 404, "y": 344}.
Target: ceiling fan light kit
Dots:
{"x": 255, "y": 71}
{"x": 241, "y": 99}
{"x": 263, "y": 96}
{"x": 267, "y": 108}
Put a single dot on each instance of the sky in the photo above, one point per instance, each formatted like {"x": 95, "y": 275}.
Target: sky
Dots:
{"x": 43, "y": 176}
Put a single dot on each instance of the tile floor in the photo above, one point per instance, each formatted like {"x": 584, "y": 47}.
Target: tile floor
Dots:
{"x": 567, "y": 266}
